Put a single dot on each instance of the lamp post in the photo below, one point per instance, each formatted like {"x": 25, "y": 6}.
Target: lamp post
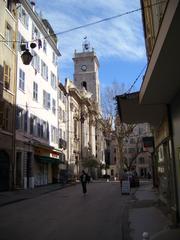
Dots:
{"x": 26, "y": 57}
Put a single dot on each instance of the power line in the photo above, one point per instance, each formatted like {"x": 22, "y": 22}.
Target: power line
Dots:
{"x": 89, "y": 24}
{"x": 96, "y": 22}
{"x": 141, "y": 72}
{"x": 103, "y": 20}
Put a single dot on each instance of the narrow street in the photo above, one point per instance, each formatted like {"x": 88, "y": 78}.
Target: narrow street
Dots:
{"x": 66, "y": 214}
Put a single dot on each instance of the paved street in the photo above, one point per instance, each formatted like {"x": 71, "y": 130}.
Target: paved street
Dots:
{"x": 66, "y": 214}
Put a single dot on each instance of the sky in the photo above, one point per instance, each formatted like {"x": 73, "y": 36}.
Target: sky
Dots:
{"x": 118, "y": 43}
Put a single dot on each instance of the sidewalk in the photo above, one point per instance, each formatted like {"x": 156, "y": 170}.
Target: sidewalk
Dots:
{"x": 10, "y": 197}
{"x": 145, "y": 215}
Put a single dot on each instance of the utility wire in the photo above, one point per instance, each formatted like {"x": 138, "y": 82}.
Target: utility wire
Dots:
{"x": 92, "y": 23}
{"x": 141, "y": 72}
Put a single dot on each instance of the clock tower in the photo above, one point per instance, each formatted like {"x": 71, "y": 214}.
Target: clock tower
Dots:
{"x": 86, "y": 66}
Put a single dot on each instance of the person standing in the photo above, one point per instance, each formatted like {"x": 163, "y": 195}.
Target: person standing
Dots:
{"x": 84, "y": 179}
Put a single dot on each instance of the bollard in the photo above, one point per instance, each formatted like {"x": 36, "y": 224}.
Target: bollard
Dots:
{"x": 145, "y": 236}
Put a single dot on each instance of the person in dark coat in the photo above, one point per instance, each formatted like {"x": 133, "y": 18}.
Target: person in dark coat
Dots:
{"x": 84, "y": 179}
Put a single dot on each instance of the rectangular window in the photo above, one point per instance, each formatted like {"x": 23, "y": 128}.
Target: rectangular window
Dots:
{"x": 19, "y": 118}
{"x": 7, "y": 76}
{"x": 47, "y": 131}
{"x": 35, "y": 32}
{"x": 132, "y": 150}
{"x": 38, "y": 127}
{"x": 54, "y": 106}
{"x": 60, "y": 94}
{"x": 32, "y": 124}
{"x": 9, "y": 36}
{"x": 35, "y": 91}
{"x": 43, "y": 129}
{"x": 9, "y": 5}
{"x": 53, "y": 134}
{"x": 141, "y": 160}
{"x": 35, "y": 61}
{"x": 23, "y": 16}
{"x": 60, "y": 113}
{"x": 60, "y": 133}
{"x": 44, "y": 70}
{"x": 21, "y": 79}
{"x": 53, "y": 80}
{"x": 132, "y": 141}
{"x": 75, "y": 128}
{"x": 64, "y": 116}
{"x": 54, "y": 58}
{"x": 46, "y": 100}
{"x": 26, "y": 121}
{"x": 44, "y": 46}
{"x": 22, "y": 44}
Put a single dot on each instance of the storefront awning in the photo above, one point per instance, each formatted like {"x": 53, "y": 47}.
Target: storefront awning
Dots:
{"x": 45, "y": 159}
{"x": 132, "y": 112}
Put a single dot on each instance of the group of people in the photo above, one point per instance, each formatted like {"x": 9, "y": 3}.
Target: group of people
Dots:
{"x": 84, "y": 178}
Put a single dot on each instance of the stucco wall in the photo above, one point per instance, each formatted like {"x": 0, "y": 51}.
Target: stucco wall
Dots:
{"x": 175, "y": 115}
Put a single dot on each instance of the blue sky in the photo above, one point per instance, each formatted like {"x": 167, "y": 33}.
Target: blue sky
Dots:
{"x": 118, "y": 43}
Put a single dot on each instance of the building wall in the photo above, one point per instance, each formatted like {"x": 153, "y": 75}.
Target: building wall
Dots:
{"x": 175, "y": 116}
{"x": 134, "y": 153}
{"x": 8, "y": 23}
{"x": 31, "y": 110}
{"x": 152, "y": 15}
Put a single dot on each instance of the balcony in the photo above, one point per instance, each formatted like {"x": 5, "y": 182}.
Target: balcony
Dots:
{"x": 62, "y": 143}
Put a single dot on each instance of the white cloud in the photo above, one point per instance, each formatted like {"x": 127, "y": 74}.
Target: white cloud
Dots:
{"x": 121, "y": 37}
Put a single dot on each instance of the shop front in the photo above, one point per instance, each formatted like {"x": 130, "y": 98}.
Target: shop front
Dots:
{"x": 46, "y": 166}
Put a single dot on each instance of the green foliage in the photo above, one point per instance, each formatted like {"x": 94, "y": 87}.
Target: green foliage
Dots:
{"x": 90, "y": 163}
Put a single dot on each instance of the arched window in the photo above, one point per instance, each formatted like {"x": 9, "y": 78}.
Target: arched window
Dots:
{"x": 84, "y": 84}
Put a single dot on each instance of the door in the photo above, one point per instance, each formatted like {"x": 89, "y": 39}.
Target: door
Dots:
{"x": 19, "y": 169}
{"x": 4, "y": 171}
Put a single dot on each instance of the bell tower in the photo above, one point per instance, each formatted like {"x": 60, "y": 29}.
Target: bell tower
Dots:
{"x": 86, "y": 67}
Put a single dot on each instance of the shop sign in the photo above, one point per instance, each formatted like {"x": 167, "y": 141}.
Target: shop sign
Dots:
{"x": 125, "y": 187}
{"x": 54, "y": 155}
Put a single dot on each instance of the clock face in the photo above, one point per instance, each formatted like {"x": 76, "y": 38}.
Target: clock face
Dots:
{"x": 83, "y": 67}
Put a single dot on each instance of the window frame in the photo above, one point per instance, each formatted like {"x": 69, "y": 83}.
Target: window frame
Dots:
{"x": 35, "y": 91}
{"x": 6, "y": 75}
{"x": 21, "y": 80}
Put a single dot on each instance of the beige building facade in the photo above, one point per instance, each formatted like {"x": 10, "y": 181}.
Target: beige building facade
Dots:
{"x": 8, "y": 30}
{"x": 80, "y": 129}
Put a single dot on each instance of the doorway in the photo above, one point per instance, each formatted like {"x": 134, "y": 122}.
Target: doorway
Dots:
{"x": 4, "y": 171}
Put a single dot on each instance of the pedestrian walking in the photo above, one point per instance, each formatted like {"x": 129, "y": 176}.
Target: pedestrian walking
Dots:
{"x": 84, "y": 179}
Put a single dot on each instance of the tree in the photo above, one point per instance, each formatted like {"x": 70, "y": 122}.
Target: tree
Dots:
{"x": 113, "y": 126}
{"x": 90, "y": 163}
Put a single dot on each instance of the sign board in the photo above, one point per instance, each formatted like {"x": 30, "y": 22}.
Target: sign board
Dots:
{"x": 125, "y": 187}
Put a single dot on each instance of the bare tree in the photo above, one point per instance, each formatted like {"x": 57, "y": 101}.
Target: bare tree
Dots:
{"x": 113, "y": 125}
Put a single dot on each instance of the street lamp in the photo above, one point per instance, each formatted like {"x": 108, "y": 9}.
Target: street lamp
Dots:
{"x": 26, "y": 57}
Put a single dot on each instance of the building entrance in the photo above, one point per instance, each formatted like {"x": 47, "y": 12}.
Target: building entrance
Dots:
{"x": 4, "y": 171}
